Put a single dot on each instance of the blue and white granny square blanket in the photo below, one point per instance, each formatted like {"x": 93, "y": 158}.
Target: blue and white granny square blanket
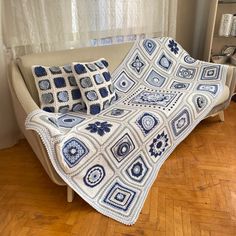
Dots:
{"x": 112, "y": 159}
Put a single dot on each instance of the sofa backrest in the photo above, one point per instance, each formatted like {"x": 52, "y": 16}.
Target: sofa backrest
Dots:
{"x": 114, "y": 54}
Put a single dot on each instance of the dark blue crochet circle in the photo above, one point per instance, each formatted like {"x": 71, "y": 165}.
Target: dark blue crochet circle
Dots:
{"x": 94, "y": 176}
{"x": 95, "y": 109}
{"x": 123, "y": 149}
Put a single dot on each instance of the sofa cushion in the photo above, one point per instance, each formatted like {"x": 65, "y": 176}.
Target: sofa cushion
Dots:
{"x": 94, "y": 81}
{"x": 57, "y": 89}
{"x": 113, "y": 53}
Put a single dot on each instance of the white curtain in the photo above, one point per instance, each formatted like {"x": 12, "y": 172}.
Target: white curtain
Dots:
{"x": 31, "y": 26}
{"x": 8, "y": 128}
{"x": 44, "y": 25}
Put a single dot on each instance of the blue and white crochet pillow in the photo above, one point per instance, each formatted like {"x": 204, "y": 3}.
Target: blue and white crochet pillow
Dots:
{"x": 57, "y": 89}
{"x": 94, "y": 81}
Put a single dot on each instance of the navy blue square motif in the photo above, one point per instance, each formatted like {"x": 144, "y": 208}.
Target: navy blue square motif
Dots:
{"x": 49, "y": 109}
{"x": 40, "y": 71}
{"x": 75, "y": 94}
{"x": 59, "y": 82}
{"x": 103, "y": 92}
{"x": 80, "y": 69}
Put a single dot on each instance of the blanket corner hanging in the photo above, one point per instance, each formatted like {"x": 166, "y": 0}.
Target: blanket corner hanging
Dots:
{"x": 164, "y": 94}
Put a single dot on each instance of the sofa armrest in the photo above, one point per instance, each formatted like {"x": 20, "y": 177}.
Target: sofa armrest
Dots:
{"x": 20, "y": 90}
{"x": 23, "y": 104}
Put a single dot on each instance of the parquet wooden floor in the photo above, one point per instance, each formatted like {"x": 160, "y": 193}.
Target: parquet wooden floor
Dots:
{"x": 194, "y": 194}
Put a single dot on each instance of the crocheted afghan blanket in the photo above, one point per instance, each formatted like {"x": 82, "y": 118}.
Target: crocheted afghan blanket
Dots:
{"x": 112, "y": 159}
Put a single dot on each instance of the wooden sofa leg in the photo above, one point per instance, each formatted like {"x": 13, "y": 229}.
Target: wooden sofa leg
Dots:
{"x": 70, "y": 194}
{"x": 222, "y": 116}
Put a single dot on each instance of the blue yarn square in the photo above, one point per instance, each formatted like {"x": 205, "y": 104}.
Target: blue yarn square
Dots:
{"x": 59, "y": 82}
{"x": 95, "y": 109}
{"x": 103, "y": 92}
{"x": 107, "y": 76}
{"x": 49, "y": 109}
{"x": 40, "y": 71}
{"x": 75, "y": 94}
{"x": 80, "y": 69}
{"x": 105, "y": 63}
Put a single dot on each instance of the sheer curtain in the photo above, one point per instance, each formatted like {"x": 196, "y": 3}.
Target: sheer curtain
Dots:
{"x": 8, "y": 130}
{"x": 31, "y": 26}
{"x": 44, "y": 25}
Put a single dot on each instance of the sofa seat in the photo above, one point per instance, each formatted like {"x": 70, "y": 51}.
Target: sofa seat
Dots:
{"x": 25, "y": 97}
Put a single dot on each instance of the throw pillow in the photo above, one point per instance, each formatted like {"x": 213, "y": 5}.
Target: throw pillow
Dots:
{"x": 57, "y": 89}
{"x": 94, "y": 81}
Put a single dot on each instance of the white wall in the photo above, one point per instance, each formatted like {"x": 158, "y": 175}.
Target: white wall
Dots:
{"x": 202, "y": 10}
{"x": 192, "y": 18}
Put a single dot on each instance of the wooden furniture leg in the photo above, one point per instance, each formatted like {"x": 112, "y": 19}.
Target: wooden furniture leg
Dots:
{"x": 222, "y": 116}
{"x": 70, "y": 194}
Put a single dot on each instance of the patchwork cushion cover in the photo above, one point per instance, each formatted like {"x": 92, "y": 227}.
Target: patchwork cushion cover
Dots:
{"x": 94, "y": 81}
{"x": 57, "y": 88}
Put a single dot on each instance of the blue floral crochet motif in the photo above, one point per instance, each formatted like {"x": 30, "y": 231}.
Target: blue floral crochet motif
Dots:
{"x": 159, "y": 145}
{"x": 173, "y": 46}
{"x": 99, "y": 127}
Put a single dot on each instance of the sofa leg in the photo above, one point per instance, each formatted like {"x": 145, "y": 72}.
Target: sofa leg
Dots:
{"x": 70, "y": 194}
{"x": 222, "y": 116}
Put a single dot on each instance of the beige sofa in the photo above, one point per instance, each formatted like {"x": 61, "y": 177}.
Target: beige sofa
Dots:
{"x": 25, "y": 96}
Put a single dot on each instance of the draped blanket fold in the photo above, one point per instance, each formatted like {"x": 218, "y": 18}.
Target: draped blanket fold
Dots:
{"x": 112, "y": 159}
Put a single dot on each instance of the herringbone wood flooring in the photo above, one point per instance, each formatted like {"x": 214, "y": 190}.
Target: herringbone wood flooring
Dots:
{"x": 194, "y": 194}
